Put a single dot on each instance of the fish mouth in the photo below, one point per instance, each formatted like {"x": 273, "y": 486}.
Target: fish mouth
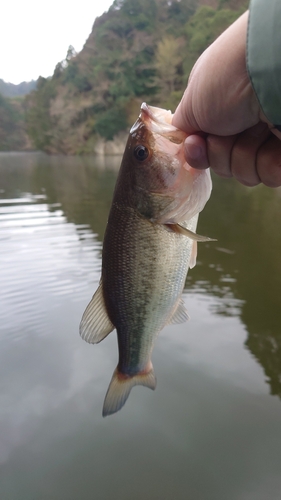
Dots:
{"x": 148, "y": 111}
{"x": 160, "y": 116}
{"x": 159, "y": 121}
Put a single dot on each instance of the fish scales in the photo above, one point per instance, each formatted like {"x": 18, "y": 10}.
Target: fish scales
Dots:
{"x": 140, "y": 289}
{"x": 150, "y": 242}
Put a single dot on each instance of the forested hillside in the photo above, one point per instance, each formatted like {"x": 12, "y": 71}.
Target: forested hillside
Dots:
{"x": 139, "y": 50}
{"x": 13, "y": 136}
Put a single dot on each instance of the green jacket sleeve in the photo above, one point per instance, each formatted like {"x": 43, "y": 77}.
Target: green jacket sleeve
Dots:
{"x": 264, "y": 56}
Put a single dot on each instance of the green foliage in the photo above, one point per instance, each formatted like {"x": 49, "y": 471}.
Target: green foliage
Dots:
{"x": 168, "y": 58}
{"x": 58, "y": 70}
{"x": 124, "y": 56}
{"x": 71, "y": 52}
{"x": 73, "y": 76}
{"x": 141, "y": 14}
{"x": 206, "y": 25}
{"x": 203, "y": 28}
{"x": 11, "y": 126}
{"x": 111, "y": 122}
{"x": 178, "y": 12}
{"x": 39, "y": 123}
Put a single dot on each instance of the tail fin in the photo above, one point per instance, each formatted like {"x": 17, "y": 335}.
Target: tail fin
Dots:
{"x": 120, "y": 388}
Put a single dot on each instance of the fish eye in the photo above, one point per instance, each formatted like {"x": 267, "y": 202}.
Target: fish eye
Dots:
{"x": 141, "y": 152}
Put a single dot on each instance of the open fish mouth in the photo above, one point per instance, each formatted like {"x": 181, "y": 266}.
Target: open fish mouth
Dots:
{"x": 157, "y": 114}
{"x": 159, "y": 121}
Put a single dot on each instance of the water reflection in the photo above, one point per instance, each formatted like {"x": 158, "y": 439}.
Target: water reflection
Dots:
{"x": 243, "y": 268}
{"x": 209, "y": 440}
{"x": 246, "y": 221}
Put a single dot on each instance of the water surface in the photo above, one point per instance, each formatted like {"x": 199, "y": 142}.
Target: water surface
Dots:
{"x": 211, "y": 430}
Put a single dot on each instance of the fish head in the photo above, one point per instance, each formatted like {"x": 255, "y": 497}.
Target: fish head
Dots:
{"x": 162, "y": 186}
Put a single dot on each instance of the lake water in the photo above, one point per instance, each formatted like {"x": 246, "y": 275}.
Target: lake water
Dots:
{"x": 212, "y": 428}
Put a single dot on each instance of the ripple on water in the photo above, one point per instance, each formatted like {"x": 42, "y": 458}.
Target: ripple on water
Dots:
{"x": 42, "y": 257}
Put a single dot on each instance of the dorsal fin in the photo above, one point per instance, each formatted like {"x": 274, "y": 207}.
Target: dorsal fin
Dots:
{"x": 95, "y": 324}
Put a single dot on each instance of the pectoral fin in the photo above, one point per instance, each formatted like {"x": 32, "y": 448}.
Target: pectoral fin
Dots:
{"x": 193, "y": 257}
{"x": 95, "y": 324}
{"x": 177, "y": 228}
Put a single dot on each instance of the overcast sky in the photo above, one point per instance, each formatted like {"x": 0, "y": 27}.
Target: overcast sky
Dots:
{"x": 35, "y": 35}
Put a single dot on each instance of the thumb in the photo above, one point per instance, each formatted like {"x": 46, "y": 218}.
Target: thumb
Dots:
{"x": 183, "y": 117}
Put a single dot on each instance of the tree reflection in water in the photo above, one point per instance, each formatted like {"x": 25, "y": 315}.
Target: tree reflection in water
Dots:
{"x": 245, "y": 265}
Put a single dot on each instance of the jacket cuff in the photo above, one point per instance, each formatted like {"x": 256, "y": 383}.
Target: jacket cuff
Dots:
{"x": 264, "y": 56}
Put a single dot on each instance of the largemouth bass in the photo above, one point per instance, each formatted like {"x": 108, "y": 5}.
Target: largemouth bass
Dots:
{"x": 149, "y": 244}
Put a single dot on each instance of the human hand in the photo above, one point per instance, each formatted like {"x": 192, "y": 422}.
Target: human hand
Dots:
{"x": 220, "y": 111}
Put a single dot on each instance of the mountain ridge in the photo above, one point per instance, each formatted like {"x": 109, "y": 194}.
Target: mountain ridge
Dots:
{"x": 8, "y": 89}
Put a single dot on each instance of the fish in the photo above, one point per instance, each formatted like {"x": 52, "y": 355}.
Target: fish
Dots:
{"x": 150, "y": 243}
